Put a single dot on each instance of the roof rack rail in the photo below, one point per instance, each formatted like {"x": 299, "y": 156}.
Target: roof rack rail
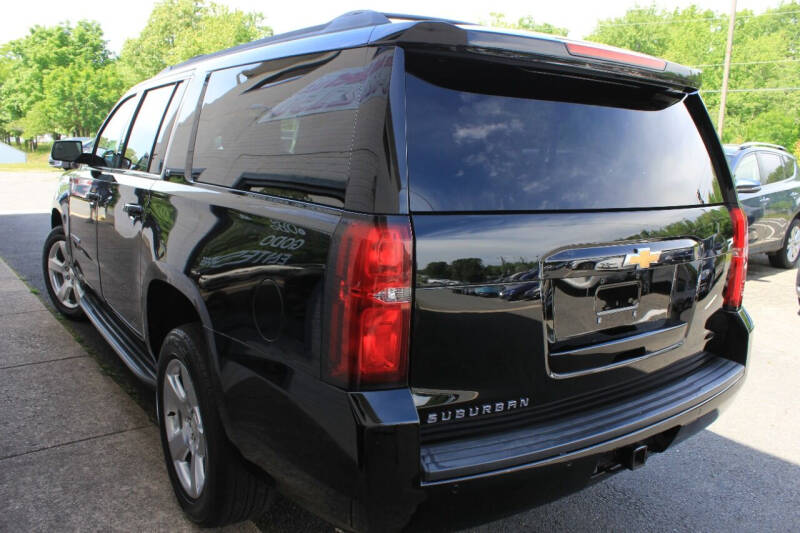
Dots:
{"x": 348, "y": 21}
{"x": 766, "y": 145}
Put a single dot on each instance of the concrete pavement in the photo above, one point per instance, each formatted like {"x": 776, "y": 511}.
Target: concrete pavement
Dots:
{"x": 76, "y": 452}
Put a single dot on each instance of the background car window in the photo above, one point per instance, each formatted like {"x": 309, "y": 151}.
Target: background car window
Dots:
{"x": 283, "y": 127}
{"x": 771, "y": 167}
{"x": 789, "y": 166}
{"x": 109, "y": 145}
{"x": 747, "y": 169}
{"x": 159, "y": 149}
{"x": 146, "y": 126}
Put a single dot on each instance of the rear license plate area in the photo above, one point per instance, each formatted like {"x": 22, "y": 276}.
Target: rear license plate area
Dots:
{"x": 587, "y": 305}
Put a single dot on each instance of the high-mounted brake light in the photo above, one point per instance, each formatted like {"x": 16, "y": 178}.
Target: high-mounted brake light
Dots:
{"x": 371, "y": 312}
{"x": 617, "y": 55}
{"x": 737, "y": 271}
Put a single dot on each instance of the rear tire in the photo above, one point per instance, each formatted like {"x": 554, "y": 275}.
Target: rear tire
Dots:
{"x": 789, "y": 253}
{"x": 59, "y": 278}
{"x": 214, "y": 485}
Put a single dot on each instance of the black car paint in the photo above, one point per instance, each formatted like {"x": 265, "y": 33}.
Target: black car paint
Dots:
{"x": 353, "y": 457}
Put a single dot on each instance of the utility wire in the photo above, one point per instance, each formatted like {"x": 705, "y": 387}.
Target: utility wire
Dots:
{"x": 762, "y": 89}
{"x": 748, "y": 63}
{"x": 718, "y": 19}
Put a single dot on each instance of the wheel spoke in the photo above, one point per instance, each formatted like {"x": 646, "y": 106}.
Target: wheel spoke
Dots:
{"x": 62, "y": 247}
{"x": 56, "y": 266}
{"x": 178, "y": 446}
{"x": 198, "y": 474}
{"x": 63, "y": 292}
{"x": 188, "y": 387}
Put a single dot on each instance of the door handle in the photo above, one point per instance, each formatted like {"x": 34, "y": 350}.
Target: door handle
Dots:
{"x": 133, "y": 210}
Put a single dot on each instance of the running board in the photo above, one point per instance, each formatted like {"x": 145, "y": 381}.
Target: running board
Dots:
{"x": 132, "y": 351}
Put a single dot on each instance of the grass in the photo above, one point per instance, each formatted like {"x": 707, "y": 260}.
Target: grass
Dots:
{"x": 36, "y": 160}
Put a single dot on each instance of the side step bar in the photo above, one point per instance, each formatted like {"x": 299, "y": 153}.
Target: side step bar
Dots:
{"x": 132, "y": 351}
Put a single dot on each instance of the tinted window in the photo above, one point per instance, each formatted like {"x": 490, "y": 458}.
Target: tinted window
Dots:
{"x": 534, "y": 142}
{"x": 282, "y": 127}
{"x": 146, "y": 126}
{"x": 788, "y": 166}
{"x": 162, "y": 139}
{"x": 771, "y": 167}
{"x": 109, "y": 146}
{"x": 747, "y": 169}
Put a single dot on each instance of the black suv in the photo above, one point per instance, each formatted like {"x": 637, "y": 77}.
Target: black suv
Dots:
{"x": 409, "y": 271}
{"x": 767, "y": 180}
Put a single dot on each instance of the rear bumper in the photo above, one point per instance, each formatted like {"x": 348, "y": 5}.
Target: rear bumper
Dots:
{"x": 588, "y": 433}
{"x": 358, "y": 459}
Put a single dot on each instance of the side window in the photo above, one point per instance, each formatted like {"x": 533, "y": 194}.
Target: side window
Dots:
{"x": 159, "y": 150}
{"x": 747, "y": 169}
{"x": 282, "y": 127}
{"x": 109, "y": 144}
{"x": 789, "y": 166}
{"x": 771, "y": 167}
{"x": 139, "y": 148}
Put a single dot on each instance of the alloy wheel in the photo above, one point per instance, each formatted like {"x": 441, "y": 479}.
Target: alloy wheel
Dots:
{"x": 183, "y": 424}
{"x": 61, "y": 275}
{"x": 793, "y": 244}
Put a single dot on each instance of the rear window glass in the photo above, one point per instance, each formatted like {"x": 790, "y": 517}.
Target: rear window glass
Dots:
{"x": 509, "y": 139}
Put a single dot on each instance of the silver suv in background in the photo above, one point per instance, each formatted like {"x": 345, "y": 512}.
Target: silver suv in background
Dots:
{"x": 767, "y": 182}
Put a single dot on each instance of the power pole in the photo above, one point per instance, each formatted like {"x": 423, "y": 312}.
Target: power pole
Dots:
{"x": 725, "y": 70}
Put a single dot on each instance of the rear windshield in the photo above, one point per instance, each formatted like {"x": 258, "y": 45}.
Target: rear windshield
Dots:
{"x": 487, "y": 138}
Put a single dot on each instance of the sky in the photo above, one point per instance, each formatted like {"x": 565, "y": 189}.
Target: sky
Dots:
{"x": 122, "y": 20}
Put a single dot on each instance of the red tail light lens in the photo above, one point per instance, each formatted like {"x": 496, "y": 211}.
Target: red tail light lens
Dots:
{"x": 737, "y": 271}
{"x": 371, "y": 313}
{"x": 616, "y": 55}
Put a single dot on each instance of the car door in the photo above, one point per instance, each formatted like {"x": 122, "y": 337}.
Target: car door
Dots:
{"x": 747, "y": 173}
{"x": 777, "y": 204}
{"x": 87, "y": 189}
{"x": 127, "y": 180}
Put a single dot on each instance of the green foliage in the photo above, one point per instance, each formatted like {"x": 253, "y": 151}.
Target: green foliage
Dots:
{"x": 180, "y": 29}
{"x": 63, "y": 79}
{"x": 498, "y": 20}
{"x": 767, "y": 44}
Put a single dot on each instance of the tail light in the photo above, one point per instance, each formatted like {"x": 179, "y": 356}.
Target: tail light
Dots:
{"x": 597, "y": 51}
{"x": 737, "y": 272}
{"x": 370, "y": 317}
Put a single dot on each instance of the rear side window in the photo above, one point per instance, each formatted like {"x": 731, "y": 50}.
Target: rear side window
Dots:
{"x": 788, "y": 166}
{"x": 515, "y": 140}
{"x": 747, "y": 169}
{"x": 139, "y": 148}
{"x": 282, "y": 127}
{"x": 771, "y": 167}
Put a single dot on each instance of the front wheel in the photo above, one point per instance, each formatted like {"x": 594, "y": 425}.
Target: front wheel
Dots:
{"x": 214, "y": 485}
{"x": 787, "y": 256}
{"x": 59, "y": 278}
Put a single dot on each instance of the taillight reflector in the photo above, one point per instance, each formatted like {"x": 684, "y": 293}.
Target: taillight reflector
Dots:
{"x": 371, "y": 311}
{"x": 737, "y": 271}
{"x": 619, "y": 56}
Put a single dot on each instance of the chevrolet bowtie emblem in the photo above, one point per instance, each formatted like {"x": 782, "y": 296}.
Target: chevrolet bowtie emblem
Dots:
{"x": 642, "y": 258}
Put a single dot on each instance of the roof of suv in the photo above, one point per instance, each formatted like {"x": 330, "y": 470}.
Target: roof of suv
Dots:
{"x": 361, "y": 28}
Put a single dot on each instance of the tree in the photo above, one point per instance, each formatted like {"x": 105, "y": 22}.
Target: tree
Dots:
{"x": 498, "y": 20}
{"x": 180, "y": 29}
{"x": 27, "y": 62}
{"x": 766, "y": 50}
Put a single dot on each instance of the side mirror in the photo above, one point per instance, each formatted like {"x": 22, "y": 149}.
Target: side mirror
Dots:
{"x": 747, "y": 186}
{"x": 66, "y": 150}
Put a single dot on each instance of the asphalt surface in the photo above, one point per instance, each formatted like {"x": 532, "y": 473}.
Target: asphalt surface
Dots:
{"x": 741, "y": 474}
